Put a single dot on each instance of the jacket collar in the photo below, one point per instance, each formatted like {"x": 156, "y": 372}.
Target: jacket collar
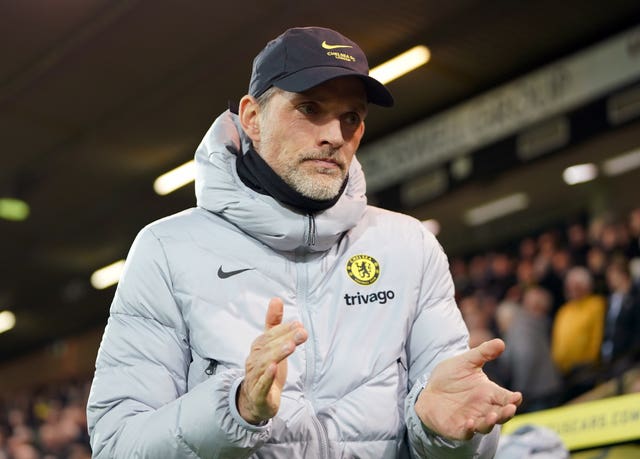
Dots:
{"x": 220, "y": 190}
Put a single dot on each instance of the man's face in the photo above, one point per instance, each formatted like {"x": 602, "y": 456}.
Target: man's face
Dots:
{"x": 576, "y": 287}
{"x": 309, "y": 138}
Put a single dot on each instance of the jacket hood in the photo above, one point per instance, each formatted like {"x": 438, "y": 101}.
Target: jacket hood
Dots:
{"x": 220, "y": 190}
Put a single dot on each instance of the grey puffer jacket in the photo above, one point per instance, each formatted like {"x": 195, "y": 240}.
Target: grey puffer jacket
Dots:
{"x": 372, "y": 288}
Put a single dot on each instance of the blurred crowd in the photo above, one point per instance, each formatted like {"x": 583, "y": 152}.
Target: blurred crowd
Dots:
{"x": 49, "y": 423}
{"x": 566, "y": 302}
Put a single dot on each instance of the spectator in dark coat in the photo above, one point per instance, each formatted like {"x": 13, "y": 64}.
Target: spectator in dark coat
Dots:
{"x": 621, "y": 342}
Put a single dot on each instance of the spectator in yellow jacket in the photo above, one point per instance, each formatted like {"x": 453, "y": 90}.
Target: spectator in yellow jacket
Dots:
{"x": 579, "y": 324}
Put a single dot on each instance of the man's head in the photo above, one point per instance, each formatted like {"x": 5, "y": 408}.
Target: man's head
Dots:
{"x": 578, "y": 284}
{"x": 537, "y": 301}
{"x": 306, "y": 106}
{"x": 619, "y": 276}
{"x": 505, "y": 315}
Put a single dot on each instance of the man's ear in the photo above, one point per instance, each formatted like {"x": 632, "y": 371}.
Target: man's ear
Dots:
{"x": 249, "y": 114}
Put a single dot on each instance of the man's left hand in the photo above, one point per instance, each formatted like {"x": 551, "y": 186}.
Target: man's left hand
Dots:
{"x": 459, "y": 400}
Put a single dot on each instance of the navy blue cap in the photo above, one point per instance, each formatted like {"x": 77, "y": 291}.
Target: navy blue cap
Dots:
{"x": 304, "y": 57}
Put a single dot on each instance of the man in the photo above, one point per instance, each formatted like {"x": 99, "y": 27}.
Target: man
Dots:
{"x": 283, "y": 317}
{"x": 621, "y": 342}
{"x": 527, "y": 364}
{"x": 579, "y": 324}
{"x": 577, "y": 332}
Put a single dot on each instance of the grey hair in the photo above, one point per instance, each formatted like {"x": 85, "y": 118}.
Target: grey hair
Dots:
{"x": 581, "y": 275}
{"x": 264, "y": 98}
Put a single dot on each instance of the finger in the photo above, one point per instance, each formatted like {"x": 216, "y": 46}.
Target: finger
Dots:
{"x": 263, "y": 385}
{"x": 500, "y": 415}
{"x": 283, "y": 331}
{"x": 516, "y": 398}
{"x": 485, "y": 352}
{"x": 506, "y": 397}
{"x": 507, "y": 412}
{"x": 511, "y": 398}
{"x": 495, "y": 415}
{"x": 275, "y": 312}
{"x": 281, "y": 336}
{"x": 285, "y": 345}
{"x": 485, "y": 424}
{"x": 468, "y": 430}
{"x": 274, "y": 346}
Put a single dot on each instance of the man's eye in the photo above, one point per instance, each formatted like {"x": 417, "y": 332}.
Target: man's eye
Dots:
{"x": 352, "y": 118}
{"x": 307, "y": 109}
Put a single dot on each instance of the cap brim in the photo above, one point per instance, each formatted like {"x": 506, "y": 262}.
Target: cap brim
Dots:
{"x": 307, "y": 78}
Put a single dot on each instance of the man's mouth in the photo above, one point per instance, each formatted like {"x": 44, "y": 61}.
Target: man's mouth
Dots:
{"x": 325, "y": 162}
{"x": 328, "y": 163}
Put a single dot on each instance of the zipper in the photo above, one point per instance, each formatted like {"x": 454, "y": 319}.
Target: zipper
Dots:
{"x": 213, "y": 366}
{"x": 310, "y": 349}
{"x": 312, "y": 232}
{"x": 301, "y": 289}
{"x": 399, "y": 360}
{"x": 322, "y": 437}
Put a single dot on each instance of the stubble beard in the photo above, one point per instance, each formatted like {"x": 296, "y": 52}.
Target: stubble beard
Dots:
{"x": 310, "y": 180}
{"x": 314, "y": 182}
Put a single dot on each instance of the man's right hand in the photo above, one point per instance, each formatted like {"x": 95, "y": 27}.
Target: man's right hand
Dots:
{"x": 258, "y": 398}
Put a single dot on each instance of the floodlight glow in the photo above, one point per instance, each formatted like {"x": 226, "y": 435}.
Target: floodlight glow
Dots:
{"x": 495, "y": 209}
{"x": 580, "y": 173}
{"x": 432, "y": 225}
{"x": 13, "y": 209}
{"x": 7, "y": 321}
{"x": 401, "y": 64}
{"x": 107, "y": 276}
{"x": 622, "y": 163}
{"x": 174, "y": 179}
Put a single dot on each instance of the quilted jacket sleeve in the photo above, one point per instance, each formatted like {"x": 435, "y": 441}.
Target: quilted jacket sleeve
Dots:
{"x": 438, "y": 333}
{"x": 138, "y": 405}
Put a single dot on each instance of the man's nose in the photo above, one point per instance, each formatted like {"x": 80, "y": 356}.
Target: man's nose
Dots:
{"x": 331, "y": 133}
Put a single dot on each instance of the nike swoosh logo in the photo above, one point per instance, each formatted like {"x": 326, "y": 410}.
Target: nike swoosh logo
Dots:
{"x": 226, "y": 274}
{"x": 325, "y": 45}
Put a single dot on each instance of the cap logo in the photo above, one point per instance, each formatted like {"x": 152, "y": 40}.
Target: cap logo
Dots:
{"x": 342, "y": 56}
{"x": 325, "y": 45}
